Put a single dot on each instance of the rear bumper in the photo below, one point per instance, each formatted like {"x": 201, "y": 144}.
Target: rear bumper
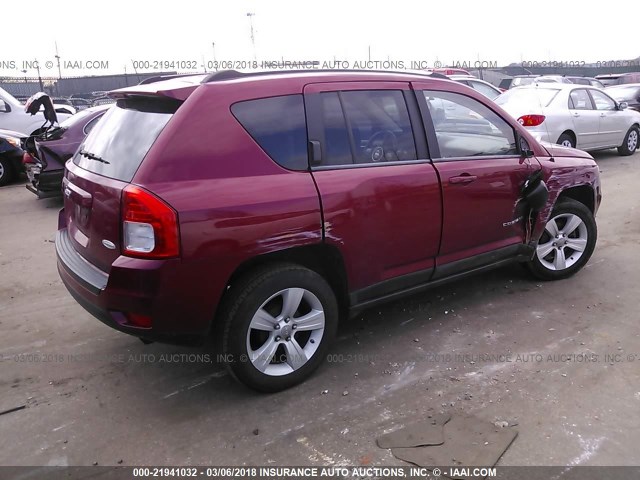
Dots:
{"x": 128, "y": 289}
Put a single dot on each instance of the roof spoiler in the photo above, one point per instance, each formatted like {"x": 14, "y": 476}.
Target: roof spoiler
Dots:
{"x": 160, "y": 78}
{"x": 234, "y": 74}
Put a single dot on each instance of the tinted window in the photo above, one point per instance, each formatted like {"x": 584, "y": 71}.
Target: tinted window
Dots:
{"x": 336, "y": 145}
{"x": 79, "y": 117}
{"x": 278, "y": 125}
{"x": 366, "y": 126}
{"x": 579, "y": 100}
{"x": 124, "y": 136}
{"x": 465, "y": 127}
{"x": 89, "y": 126}
{"x": 505, "y": 83}
{"x": 580, "y": 81}
{"x": 602, "y": 101}
{"x": 380, "y": 126}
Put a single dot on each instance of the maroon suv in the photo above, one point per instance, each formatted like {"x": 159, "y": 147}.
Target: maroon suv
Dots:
{"x": 261, "y": 207}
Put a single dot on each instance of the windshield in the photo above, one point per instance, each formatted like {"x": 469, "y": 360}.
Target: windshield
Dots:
{"x": 7, "y": 97}
{"x": 624, "y": 93}
{"x": 117, "y": 145}
{"x": 520, "y": 81}
{"x": 540, "y": 97}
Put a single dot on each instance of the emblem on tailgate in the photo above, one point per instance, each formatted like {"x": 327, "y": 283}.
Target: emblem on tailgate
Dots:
{"x": 110, "y": 245}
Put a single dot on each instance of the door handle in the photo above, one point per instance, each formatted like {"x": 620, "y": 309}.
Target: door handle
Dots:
{"x": 464, "y": 178}
{"x": 576, "y": 114}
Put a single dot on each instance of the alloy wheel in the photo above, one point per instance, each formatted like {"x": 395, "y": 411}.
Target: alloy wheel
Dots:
{"x": 566, "y": 143}
{"x": 285, "y": 331}
{"x": 563, "y": 242}
{"x": 632, "y": 140}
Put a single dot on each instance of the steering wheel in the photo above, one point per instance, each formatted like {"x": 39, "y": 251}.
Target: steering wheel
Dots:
{"x": 380, "y": 144}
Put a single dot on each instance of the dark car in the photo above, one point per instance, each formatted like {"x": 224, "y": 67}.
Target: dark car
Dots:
{"x": 618, "y": 78}
{"x": 10, "y": 156}
{"x": 102, "y": 101}
{"x": 629, "y": 93}
{"x": 47, "y": 153}
{"x": 80, "y": 103}
{"x": 259, "y": 208}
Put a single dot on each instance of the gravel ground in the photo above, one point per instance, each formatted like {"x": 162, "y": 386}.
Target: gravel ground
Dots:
{"x": 558, "y": 361}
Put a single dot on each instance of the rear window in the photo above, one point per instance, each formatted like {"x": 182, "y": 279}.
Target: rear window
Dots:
{"x": 520, "y": 81}
{"x": 278, "y": 125}
{"x": 529, "y": 97}
{"x": 117, "y": 144}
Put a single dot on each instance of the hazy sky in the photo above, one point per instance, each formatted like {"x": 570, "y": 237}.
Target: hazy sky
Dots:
{"x": 119, "y": 32}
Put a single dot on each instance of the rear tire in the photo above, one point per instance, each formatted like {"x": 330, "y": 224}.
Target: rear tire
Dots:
{"x": 566, "y": 140}
{"x": 6, "y": 172}
{"x": 278, "y": 323}
{"x": 630, "y": 143}
{"x": 567, "y": 242}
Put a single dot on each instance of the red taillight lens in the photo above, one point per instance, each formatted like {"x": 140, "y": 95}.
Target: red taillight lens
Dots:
{"x": 149, "y": 225}
{"x": 137, "y": 320}
{"x": 28, "y": 158}
{"x": 531, "y": 120}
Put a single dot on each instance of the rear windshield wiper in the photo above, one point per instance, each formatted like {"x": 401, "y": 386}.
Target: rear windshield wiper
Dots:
{"x": 92, "y": 156}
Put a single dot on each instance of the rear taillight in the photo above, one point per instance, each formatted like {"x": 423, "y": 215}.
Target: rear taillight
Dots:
{"x": 28, "y": 158}
{"x": 149, "y": 225}
{"x": 531, "y": 120}
{"x": 138, "y": 320}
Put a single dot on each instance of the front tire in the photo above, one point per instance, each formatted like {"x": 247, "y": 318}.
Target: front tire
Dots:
{"x": 278, "y": 326}
{"x": 630, "y": 143}
{"x": 567, "y": 242}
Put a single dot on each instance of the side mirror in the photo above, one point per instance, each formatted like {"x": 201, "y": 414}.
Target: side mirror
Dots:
{"x": 4, "y": 107}
{"x": 623, "y": 105}
{"x": 525, "y": 150}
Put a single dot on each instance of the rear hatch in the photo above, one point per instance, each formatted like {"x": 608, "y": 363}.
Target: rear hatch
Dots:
{"x": 102, "y": 167}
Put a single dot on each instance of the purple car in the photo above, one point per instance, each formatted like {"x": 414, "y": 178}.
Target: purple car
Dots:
{"x": 46, "y": 154}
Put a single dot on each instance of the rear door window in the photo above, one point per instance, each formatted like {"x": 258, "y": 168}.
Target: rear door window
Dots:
{"x": 366, "y": 126}
{"x": 278, "y": 125}
{"x": 579, "y": 100}
{"x": 116, "y": 146}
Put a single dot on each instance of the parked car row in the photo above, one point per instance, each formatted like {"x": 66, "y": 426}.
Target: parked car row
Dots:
{"x": 522, "y": 80}
{"x": 575, "y": 116}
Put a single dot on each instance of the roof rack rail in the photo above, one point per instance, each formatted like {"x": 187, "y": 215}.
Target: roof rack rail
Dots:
{"x": 160, "y": 78}
{"x": 234, "y": 74}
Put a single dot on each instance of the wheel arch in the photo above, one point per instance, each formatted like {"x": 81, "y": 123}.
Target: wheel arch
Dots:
{"x": 584, "y": 194}
{"x": 326, "y": 260}
{"x": 572, "y": 134}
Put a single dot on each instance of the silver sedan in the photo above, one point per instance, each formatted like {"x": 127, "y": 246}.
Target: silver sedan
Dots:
{"x": 574, "y": 116}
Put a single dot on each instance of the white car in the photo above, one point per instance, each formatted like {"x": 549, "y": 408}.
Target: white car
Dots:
{"x": 13, "y": 117}
{"x": 574, "y": 116}
{"x": 481, "y": 86}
